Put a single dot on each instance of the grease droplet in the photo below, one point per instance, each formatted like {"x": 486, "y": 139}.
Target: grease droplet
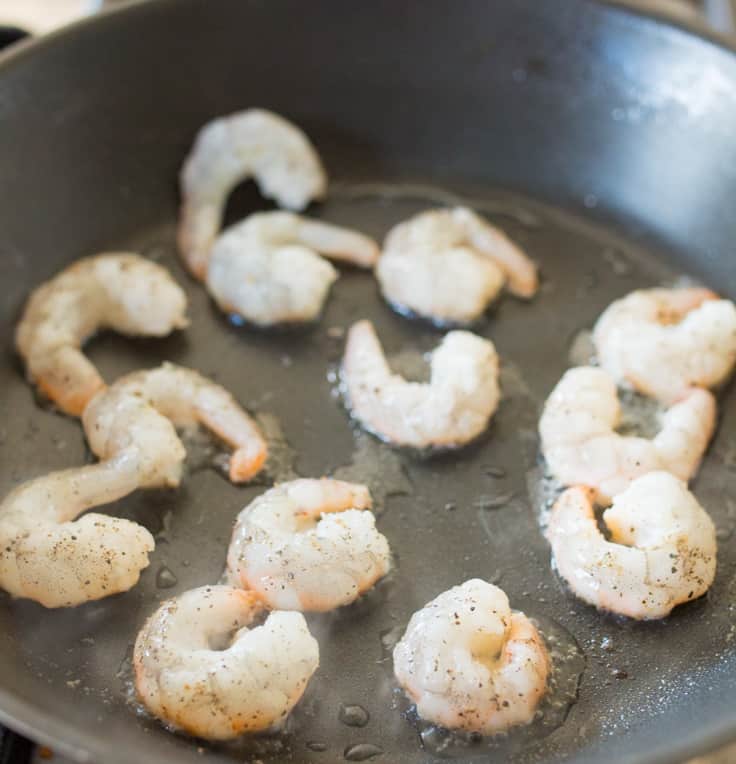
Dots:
{"x": 618, "y": 262}
{"x": 165, "y": 533}
{"x": 493, "y": 502}
{"x": 496, "y": 577}
{"x": 354, "y": 716}
{"x": 165, "y": 578}
{"x": 390, "y": 638}
{"x": 362, "y": 752}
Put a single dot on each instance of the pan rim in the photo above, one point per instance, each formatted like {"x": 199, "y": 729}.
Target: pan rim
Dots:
{"x": 17, "y": 53}
{"x": 72, "y": 742}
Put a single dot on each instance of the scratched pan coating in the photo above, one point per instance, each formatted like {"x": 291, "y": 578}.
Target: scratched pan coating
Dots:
{"x": 599, "y": 139}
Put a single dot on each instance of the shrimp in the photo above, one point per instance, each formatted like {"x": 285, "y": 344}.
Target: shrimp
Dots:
{"x": 49, "y": 556}
{"x": 202, "y": 666}
{"x": 452, "y": 409}
{"x": 308, "y": 545}
{"x": 450, "y": 264}
{"x": 471, "y": 664}
{"x": 118, "y": 291}
{"x": 126, "y": 411}
{"x": 252, "y": 143}
{"x": 664, "y": 341}
{"x": 267, "y": 269}
{"x": 662, "y": 550}
{"x": 581, "y": 445}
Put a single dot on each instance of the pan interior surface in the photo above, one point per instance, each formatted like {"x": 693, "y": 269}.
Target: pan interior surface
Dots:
{"x": 585, "y": 132}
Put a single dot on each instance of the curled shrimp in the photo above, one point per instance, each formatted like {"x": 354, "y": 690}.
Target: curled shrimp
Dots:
{"x": 267, "y": 269}
{"x": 308, "y": 545}
{"x": 664, "y": 341}
{"x": 661, "y": 553}
{"x": 118, "y": 291}
{"x": 450, "y": 264}
{"x": 253, "y": 143}
{"x": 581, "y": 445}
{"x": 49, "y": 556}
{"x": 202, "y": 666}
{"x": 123, "y": 413}
{"x": 471, "y": 664}
{"x": 450, "y": 410}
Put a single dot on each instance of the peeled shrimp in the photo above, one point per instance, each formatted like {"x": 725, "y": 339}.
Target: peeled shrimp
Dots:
{"x": 452, "y": 409}
{"x": 664, "y": 341}
{"x": 141, "y": 407}
{"x": 204, "y": 668}
{"x": 308, "y": 545}
{"x": 118, "y": 291}
{"x": 471, "y": 664}
{"x": 450, "y": 264}
{"x": 252, "y": 143}
{"x": 267, "y": 269}
{"x": 49, "y": 556}
{"x": 662, "y": 550}
{"x": 581, "y": 445}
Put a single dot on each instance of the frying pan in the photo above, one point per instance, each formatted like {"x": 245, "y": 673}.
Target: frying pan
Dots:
{"x": 601, "y": 140}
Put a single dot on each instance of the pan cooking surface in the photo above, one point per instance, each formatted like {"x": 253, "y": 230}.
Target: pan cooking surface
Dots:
{"x": 621, "y": 178}
{"x": 448, "y": 518}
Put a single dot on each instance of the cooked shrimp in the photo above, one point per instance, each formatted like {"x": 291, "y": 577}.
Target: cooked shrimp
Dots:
{"x": 308, "y": 545}
{"x": 118, "y": 291}
{"x": 204, "y": 668}
{"x": 449, "y": 265}
{"x": 267, "y": 269}
{"x": 130, "y": 408}
{"x": 115, "y": 420}
{"x": 662, "y": 550}
{"x": 252, "y": 143}
{"x": 581, "y": 445}
{"x": 48, "y": 556}
{"x": 471, "y": 664}
{"x": 664, "y": 341}
{"x": 450, "y": 410}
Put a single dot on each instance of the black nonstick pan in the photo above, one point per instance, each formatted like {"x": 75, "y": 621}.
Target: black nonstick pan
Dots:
{"x": 603, "y": 141}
